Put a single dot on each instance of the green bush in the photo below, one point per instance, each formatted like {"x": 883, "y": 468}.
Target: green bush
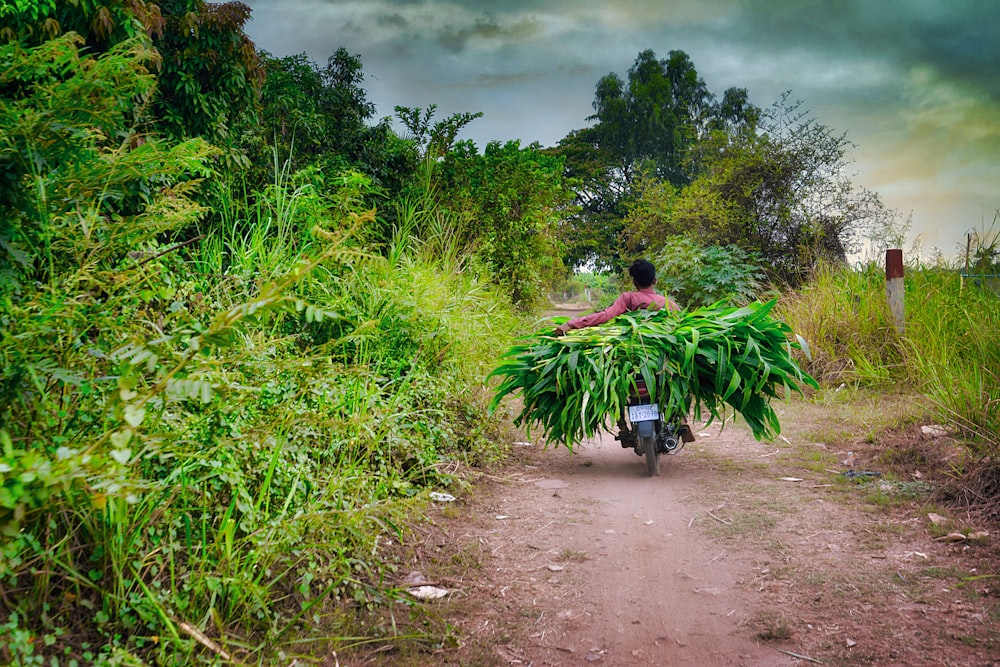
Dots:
{"x": 192, "y": 466}
{"x": 697, "y": 276}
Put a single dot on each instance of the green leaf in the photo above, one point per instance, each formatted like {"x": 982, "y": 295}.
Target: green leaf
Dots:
{"x": 685, "y": 359}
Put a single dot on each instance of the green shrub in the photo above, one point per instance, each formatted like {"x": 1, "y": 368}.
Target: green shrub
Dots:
{"x": 191, "y": 466}
{"x": 696, "y": 276}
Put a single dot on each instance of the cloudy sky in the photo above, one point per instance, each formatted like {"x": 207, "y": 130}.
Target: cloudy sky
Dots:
{"x": 914, "y": 83}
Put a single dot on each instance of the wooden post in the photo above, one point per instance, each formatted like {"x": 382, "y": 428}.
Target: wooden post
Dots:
{"x": 968, "y": 250}
{"x": 894, "y": 287}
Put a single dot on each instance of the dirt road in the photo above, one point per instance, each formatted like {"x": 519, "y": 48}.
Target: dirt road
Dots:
{"x": 617, "y": 573}
{"x": 739, "y": 553}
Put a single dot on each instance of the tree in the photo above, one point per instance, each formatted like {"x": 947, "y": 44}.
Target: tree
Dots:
{"x": 782, "y": 193}
{"x": 591, "y": 234}
{"x": 649, "y": 123}
{"x": 101, "y": 24}
{"x": 319, "y": 117}
{"x": 208, "y": 71}
{"x": 78, "y": 192}
{"x": 437, "y": 140}
{"x": 653, "y": 119}
{"x": 510, "y": 198}
{"x": 208, "y": 81}
{"x": 644, "y": 223}
{"x": 290, "y": 110}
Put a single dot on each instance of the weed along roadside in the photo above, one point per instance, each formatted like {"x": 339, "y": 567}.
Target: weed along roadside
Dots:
{"x": 211, "y": 449}
{"x": 743, "y": 552}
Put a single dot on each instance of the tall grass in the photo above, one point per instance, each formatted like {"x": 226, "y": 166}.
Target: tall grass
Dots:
{"x": 844, "y": 316}
{"x": 949, "y": 351}
{"x": 255, "y": 233}
{"x": 953, "y": 338}
{"x": 206, "y": 447}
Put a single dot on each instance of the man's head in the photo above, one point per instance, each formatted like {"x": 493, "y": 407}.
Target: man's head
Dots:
{"x": 643, "y": 273}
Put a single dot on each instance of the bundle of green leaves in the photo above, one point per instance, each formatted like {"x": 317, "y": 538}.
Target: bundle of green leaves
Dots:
{"x": 705, "y": 359}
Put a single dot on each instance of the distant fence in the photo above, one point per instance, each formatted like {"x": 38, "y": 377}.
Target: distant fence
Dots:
{"x": 989, "y": 281}
{"x": 986, "y": 249}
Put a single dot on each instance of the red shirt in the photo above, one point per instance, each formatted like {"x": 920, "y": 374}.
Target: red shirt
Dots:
{"x": 643, "y": 298}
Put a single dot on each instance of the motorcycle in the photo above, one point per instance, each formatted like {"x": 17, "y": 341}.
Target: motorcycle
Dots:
{"x": 643, "y": 428}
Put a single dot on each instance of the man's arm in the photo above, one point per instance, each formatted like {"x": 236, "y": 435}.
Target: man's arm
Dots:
{"x": 614, "y": 310}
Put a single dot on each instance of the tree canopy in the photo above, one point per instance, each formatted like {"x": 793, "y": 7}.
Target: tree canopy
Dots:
{"x": 664, "y": 157}
{"x": 510, "y": 199}
{"x": 647, "y": 123}
{"x": 782, "y": 193}
{"x": 207, "y": 73}
{"x": 321, "y": 117}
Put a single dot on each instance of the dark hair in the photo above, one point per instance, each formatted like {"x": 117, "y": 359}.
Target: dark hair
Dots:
{"x": 643, "y": 273}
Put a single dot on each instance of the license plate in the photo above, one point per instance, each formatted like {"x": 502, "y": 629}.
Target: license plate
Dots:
{"x": 643, "y": 413}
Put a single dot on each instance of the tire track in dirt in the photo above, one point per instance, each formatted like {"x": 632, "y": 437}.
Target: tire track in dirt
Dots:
{"x": 606, "y": 564}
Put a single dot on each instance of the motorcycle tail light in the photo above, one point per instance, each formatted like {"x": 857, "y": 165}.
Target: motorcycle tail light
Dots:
{"x": 641, "y": 389}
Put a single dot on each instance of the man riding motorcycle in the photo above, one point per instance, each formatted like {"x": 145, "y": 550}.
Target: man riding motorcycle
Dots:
{"x": 644, "y": 297}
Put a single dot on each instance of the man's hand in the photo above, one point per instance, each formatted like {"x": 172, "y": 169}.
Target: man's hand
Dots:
{"x": 561, "y": 330}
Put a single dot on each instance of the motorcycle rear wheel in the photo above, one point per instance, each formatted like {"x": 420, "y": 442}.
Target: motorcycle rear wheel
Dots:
{"x": 652, "y": 456}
